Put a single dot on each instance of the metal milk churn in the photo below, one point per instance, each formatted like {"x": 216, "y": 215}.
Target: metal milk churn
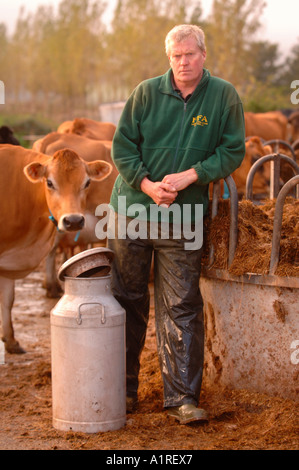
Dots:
{"x": 88, "y": 347}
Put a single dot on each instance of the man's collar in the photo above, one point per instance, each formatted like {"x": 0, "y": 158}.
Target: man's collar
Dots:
{"x": 177, "y": 90}
{"x": 166, "y": 85}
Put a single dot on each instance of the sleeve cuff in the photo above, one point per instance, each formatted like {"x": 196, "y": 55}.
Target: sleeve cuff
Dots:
{"x": 201, "y": 174}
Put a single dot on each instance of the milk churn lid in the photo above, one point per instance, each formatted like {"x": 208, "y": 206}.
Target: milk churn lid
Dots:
{"x": 88, "y": 263}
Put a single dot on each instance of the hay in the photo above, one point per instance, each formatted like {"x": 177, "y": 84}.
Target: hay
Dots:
{"x": 255, "y": 227}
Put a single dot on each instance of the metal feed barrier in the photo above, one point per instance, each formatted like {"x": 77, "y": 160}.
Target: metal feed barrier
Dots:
{"x": 251, "y": 320}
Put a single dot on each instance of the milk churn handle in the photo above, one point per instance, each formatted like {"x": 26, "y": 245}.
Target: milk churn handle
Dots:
{"x": 79, "y": 317}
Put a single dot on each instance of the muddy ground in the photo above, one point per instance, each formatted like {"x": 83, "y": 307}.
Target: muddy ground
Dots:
{"x": 240, "y": 420}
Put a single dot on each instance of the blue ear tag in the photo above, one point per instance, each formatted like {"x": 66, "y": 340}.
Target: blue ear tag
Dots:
{"x": 77, "y": 236}
{"x": 52, "y": 218}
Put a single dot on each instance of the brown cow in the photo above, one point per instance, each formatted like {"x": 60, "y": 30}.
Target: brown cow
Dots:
{"x": 27, "y": 233}
{"x": 254, "y": 150}
{"x": 267, "y": 126}
{"x": 98, "y": 194}
{"x": 88, "y": 128}
{"x": 84, "y": 146}
{"x": 293, "y": 128}
{"x": 286, "y": 170}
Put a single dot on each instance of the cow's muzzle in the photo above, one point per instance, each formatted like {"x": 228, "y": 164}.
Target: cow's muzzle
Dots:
{"x": 71, "y": 222}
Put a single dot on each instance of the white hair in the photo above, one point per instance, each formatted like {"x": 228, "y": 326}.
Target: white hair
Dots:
{"x": 183, "y": 31}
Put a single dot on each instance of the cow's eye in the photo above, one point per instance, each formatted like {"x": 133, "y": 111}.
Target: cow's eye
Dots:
{"x": 50, "y": 184}
{"x": 87, "y": 184}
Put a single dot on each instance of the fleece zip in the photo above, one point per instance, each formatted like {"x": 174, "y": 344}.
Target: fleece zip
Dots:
{"x": 159, "y": 134}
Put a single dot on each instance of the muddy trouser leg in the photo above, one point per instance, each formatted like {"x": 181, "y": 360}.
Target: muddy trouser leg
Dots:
{"x": 130, "y": 277}
{"x": 179, "y": 321}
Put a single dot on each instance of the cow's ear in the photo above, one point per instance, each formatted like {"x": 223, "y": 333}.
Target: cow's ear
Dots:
{"x": 99, "y": 170}
{"x": 35, "y": 172}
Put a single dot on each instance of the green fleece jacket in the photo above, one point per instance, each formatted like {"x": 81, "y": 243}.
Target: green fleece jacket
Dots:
{"x": 159, "y": 134}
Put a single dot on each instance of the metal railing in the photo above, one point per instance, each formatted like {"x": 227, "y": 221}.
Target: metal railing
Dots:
{"x": 277, "y": 224}
{"x": 233, "y": 234}
{"x": 274, "y": 175}
{"x": 275, "y": 192}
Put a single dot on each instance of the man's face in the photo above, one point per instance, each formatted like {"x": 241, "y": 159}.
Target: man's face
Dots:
{"x": 187, "y": 61}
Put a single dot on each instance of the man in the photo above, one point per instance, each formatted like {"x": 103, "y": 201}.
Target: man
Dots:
{"x": 178, "y": 132}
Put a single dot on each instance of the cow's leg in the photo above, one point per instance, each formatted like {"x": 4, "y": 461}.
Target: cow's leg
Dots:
{"x": 52, "y": 285}
{"x": 7, "y": 295}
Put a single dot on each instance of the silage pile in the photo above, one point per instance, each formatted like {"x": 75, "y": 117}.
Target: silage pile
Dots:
{"x": 255, "y": 227}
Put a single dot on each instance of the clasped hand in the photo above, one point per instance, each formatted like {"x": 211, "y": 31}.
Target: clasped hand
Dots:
{"x": 165, "y": 192}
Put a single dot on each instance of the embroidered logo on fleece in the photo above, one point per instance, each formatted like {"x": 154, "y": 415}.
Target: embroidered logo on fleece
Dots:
{"x": 199, "y": 121}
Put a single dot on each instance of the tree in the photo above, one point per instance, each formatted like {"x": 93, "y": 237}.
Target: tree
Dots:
{"x": 4, "y": 44}
{"x": 19, "y": 63}
{"x": 291, "y": 67}
{"x": 57, "y": 58}
{"x": 261, "y": 91}
{"x": 42, "y": 66}
{"x": 136, "y": 41}
{"x": 68, "y": 60}
{"x": 263, "y": 61}
{"x": 76, "y": 46}
{"x": 230, "y": 30}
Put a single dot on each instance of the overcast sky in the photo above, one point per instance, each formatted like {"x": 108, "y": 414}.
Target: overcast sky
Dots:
{"x": 280, "y": 19}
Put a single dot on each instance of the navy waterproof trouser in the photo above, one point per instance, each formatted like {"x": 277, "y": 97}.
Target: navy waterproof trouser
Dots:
{"x": 178, "y": 312}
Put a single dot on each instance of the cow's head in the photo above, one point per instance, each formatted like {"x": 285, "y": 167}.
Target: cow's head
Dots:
{"x": 254, "y": 150}
{"x": 293, "y": 127}
{"x": 66, "y": 178}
